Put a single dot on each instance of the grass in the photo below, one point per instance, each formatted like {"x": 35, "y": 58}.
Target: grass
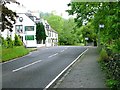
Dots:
{"x": 15, "y": 52}
{"x": 77, "y": 44}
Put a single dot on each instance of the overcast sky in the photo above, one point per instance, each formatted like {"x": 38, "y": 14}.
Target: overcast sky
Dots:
{"x": 45, "y": 6}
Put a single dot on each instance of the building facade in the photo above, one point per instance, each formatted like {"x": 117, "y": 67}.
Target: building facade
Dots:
{"x": 25, "y": 28}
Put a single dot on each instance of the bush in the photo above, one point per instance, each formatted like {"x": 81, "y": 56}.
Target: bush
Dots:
{"x": 103, "y": 55}
{"x": 112, "y": 83}
{"x": 4, "y": 42}
{"x": 111, "y": 68}
{"x": 9, "y": 42}
{"x": 17, "y": 41}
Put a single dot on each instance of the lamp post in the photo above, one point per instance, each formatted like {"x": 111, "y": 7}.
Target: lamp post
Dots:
{"x": 100, "y": 26}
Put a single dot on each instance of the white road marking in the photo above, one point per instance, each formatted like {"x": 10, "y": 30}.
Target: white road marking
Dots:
{"x": 26, "y": 66}
{"x": 52, "y": 55}
{"x": 48, "y": 86}
{"x": 62, "y": 50}
{"x": 66, "y": 48}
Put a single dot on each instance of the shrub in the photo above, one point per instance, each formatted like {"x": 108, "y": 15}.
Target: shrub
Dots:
{"x": 112, "y": 69}
{"x": 9, "y": 42}
{"x": 103, "y": 55}
{"x": 17, "y": 41}
{"x": 4, "y": 42}
{"x": 112, "y": 83}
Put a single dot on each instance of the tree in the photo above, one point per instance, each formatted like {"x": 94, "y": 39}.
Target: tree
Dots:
{"x": 40, "y": 32}
{"x": 67, "y": 36}
{"x": 66, "y": 29}
{"x": 84, "y": 11}
{"x": 7, "y": 15}
{"x": 106, "y": 13}
{"x": 55, "y": 21}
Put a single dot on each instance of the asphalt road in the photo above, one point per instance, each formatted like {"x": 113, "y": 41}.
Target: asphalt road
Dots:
{"x": 39, "y": 68}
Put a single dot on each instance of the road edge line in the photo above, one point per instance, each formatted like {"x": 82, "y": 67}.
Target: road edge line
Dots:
{"x": 53, "y": 81}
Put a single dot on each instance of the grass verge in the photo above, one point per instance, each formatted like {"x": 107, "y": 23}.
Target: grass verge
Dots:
{"x": 15, "y": 52}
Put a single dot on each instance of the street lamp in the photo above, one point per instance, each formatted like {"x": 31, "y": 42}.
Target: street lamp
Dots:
{"x": 100, "y": 26}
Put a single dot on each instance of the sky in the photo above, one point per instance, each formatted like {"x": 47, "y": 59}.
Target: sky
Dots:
{"x": 44, "y": 5}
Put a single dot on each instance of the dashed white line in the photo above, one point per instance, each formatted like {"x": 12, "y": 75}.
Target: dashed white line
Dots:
{"x": 26, "y": 66}
{"x": 62, "y": 50}
{"x": 52, "y": 55}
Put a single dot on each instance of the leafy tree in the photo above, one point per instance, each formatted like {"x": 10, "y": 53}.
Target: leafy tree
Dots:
{"x": 66, "y": 29}
{"x": 106, "y": 13}
{"x": 56, "y": 22}
{"x": 84, "y": 11}
{"x": 7, "y": 15}
{"x": 40, "y": 32}
{"x": 68, "y": 36}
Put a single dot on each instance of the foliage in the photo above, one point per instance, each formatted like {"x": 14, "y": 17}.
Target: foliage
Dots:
{"x": 55, "y": 21}
{"x": 67, "y": 36}
{"x": 84, "y": 11}
{"x": 103, "y": 55}
{"x": 111, "y": 66}
{"x": 40, "y": 32}
{"x": 4, "y": 42}
{"x": 10, "y": 43}
{"x": 68, "y": 33}
{"x": 7, "y": 15}
{"x": 11, "y": 53}
{"x": 87, "y": 31}
{"x": 111, "y": 83}
{"x": 106, "y": 13}
{"x": 17, "y": 41}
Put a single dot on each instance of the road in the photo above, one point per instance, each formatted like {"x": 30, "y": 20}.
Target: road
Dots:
{"x": 39, "y": 68}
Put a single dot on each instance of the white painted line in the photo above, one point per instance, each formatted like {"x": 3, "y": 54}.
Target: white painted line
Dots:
{"x": 62, "y": 50}
{"x": 64, "y": 70}
{"x": 26, "y": 66}
{"x": 52, "y": 55}
{"x": 66, "y": 48}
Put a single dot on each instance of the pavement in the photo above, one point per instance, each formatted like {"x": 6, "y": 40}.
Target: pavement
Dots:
{"x": 86, "y": 73}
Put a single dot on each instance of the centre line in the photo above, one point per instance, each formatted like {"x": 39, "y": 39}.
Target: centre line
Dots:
{"x": 52, "y": 55}
{"x": 62, "y": 50}
{"x": 26, "y": 66}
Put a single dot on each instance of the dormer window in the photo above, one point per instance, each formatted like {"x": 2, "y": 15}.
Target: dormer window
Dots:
{"x": 47, "y": 26}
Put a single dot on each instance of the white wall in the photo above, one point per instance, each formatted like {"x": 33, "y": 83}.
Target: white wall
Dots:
{"x": 27, "y": 22}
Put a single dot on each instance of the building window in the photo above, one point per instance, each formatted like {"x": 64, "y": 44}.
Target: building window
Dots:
{"x": 29, "y": 37}
{"x": 19, "y": 29}
{"x": 49, "y": 40}
{"x": 47, "y": 26}
{"x": 29, "y": 28}
{"x": 31, "y": 17}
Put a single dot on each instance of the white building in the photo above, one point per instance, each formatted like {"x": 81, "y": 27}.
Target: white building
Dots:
{"x": 52, "y": 39}
{"x": 52, "y": 35}
{"x": 25, "y": 27}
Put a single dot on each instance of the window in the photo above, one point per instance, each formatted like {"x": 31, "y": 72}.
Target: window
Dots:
{"x": 29, "y": 37}
{"x": 31, "y": 17}
{"x": 29, "y": 28}
{"x": 19, "y": 29}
